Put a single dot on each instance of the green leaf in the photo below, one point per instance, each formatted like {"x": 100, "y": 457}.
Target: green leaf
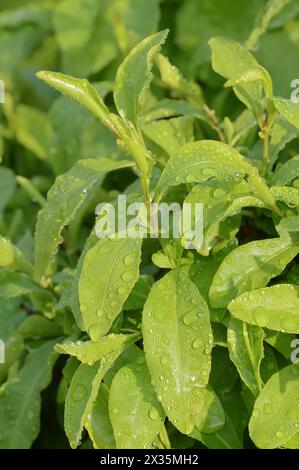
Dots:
{"x": 79, "y": 90}
{"x": 167, "y": 108}
{"x": 139, "y": 294}
{"x": 212, "y": 417}
{"x": 88, "y": 352}
{"x": 291, "y": 224}
{"x": 12, "y": 258}
{"x": 98, "y": 424}
{"x": 136, "y": 415}
{"x": 134, "y": 76}
{"x": 282, "y": 342}
{"x": 16, "y": 284}
{"x": 173, "y": 79}
{"x": 221, "y": 200}
{"x": 7, "y": 186}
{"x": 286, "y": 173}
{"x": 288, "y": 110}
{"x": 290, "y": 196}
{"x": 281, "y": 134}
{"x": 230, "y": 59}
{"x": 33, "y": 130}
{"x": 110, "y": 271}
{"x": 202, "y": 160}
{"x": 261, "y": 261}
{"x": 20, "y": 400}
{"x": 246, "y": 351}
{"x": 76, "y": 138}
{"x": 82, "y": 395}
{"x": 276, "y": 412}
{"x": 253, "y": 75}
{"x": 85, "y": 36}
{"x": 132, "y": 21}
{"x": 273, "y": 307}
{"x": 177, "y": 343}
{"x": 170, "y": 134}
{"x": 57, "y": 213}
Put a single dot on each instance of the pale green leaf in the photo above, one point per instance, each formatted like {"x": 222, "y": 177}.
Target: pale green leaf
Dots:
{"x": 98, "y": 424}
{"x": 246, "y": 351}
{"x": 88, "y": 352}
{"x": 110, "y": 270}
{"x": 261, "y": 261}
{"x": 82, "y": 395}
{"x": 177, "y": 343}
{"x": 134, "y": 76}
{"x": 79, "y": 90}
{"x": 136, "y": 415}
{"x": 275, "y": 415}
{"x": 276, "y": 308}
{"x": 230, "y": 59}
{"x": 288, "y": 109}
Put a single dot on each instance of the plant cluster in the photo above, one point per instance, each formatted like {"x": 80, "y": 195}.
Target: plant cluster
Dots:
{"x": 137, "y": 342}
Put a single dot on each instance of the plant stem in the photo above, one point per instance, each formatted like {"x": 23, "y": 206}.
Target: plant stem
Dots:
{"x": 214, "y": 122}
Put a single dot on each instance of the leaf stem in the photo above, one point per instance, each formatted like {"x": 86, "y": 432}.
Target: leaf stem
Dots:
{"x": 164, "y": 437}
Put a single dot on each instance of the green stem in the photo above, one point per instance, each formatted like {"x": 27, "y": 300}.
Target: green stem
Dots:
{"x": 266, "y": 149}
{"x": 164, "y": 438}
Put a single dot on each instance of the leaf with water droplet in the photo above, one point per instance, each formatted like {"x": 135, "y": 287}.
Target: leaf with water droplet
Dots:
{"x": 272, "y": 430}
{"x": 89, "y": 352}
{"x": 230, "y": 59}
{"x": 199, "y": 161}
{"x": 276, "y": 308}
{"x": 98, "y": 423}
{"x": 79, "y": 90}
{"x": 107, "y": 263}
{"x": 140, "y": 416}
{"x": 134, "y": 76}
{"x": 261, "y": 261}
{"x": 286, "y": 173}
{"x": 82, "y": 395}
{"x": 64, "y": 199}
{"x": 221, "y": 200}
{"x": 176, "y": 327}
{"x": 246, "y": 351}
{"x": 211, "y": 417}
{"x": 288, "y": 109}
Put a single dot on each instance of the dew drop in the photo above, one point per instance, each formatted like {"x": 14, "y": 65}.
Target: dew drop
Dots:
{"x": 153, "y": 414}
{"x": 128, "y": 276}
{"x": 129, "y": 260}
{"x": 196, "y": 343}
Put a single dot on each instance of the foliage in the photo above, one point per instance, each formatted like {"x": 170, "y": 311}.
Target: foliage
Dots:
{"x": 143, "y": 343}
